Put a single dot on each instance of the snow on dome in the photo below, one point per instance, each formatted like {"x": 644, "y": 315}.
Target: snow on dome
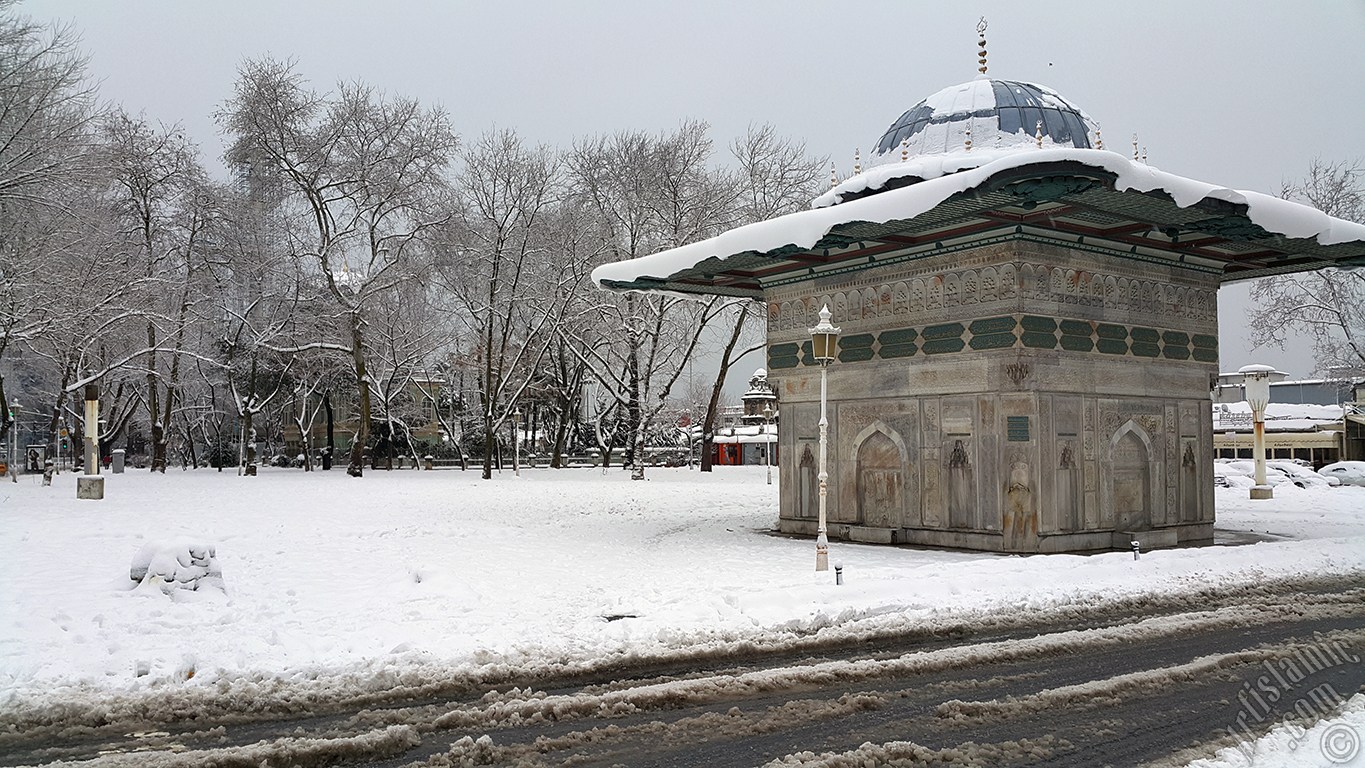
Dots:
{"x": 1001, "y": 114}
{"x": 760, "y": 373}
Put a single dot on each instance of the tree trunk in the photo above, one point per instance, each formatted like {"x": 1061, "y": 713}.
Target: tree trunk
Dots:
{"x": 331, "y": 432}
{"x": 488, "y": 446}
{"x": 362, "y": 432}
{"x": 154, "y": 407}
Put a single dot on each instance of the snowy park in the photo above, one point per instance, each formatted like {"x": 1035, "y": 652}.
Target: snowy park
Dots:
{"x": 329, "y": 584}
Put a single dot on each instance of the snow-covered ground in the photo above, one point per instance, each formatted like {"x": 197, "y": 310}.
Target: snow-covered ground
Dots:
{"x": 1332, "y": 742}
{"x": 404, "y": 574}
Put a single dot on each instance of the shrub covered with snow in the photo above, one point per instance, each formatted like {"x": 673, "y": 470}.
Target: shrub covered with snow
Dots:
{"x": 179, "y": 564}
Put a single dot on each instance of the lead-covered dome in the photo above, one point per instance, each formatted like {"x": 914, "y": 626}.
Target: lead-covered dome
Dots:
{"x": 1001, "y": 114}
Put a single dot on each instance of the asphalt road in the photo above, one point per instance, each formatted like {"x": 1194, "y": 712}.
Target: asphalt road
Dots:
{"x": 1157, "y": 681}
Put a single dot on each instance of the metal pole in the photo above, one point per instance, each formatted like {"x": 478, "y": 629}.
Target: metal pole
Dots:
{"x": 821, "y": 536}
{"x": 1258, "y": 450}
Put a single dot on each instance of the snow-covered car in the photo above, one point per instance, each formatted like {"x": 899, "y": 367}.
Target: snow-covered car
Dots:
{"x": 1301, "y": 476}
{"x": 1229, "y": 477}
{"x": 1346, "y": 472}
{"x": 1247, "y": 468}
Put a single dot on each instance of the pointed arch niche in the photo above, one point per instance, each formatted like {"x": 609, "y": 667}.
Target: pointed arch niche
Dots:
{"x": 880, "y": 458}
{"x": 1130, "y": 451}
{"x": 807, "y": 485}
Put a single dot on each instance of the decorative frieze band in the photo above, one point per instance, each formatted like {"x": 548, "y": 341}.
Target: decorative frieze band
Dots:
{"x": 1008, "y": 332}
{"x": 1005, "y": 282}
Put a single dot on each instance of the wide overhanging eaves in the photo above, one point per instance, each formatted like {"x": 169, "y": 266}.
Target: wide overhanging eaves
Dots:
{"x": 1066, "y": 202}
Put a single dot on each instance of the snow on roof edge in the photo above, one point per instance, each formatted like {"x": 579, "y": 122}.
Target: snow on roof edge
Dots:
{"x": 946, "y": 175}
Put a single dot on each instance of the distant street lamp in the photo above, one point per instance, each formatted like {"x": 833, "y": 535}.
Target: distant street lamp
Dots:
{"x": 768, "y": 440}
{"x": 824, "y": 337}
{"x": 1257, "y": 379}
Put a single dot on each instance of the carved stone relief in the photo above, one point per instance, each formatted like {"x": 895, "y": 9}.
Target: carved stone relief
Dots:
{"x": 965, "y": 287}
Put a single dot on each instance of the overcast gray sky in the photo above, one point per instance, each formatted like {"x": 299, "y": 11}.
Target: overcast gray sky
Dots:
{"x": 1240, "y": 93}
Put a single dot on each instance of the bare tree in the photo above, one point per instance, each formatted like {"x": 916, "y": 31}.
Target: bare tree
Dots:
{"x": 653, "y": 193}
{"x": 1328, "y": 305}
{"x": 501, "y": 266}
{"x": 46, "y": 113}
{"x": 775, "y": 177}
{"x": 361, "y": 171}
{"x": 163, "y": 203}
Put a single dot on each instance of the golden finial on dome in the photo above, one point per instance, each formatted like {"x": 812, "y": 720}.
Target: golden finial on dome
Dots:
{"x": 905, "y": 150}
{"x": 981, "y": 43}
{"x": 967, "y": 141}
{"x": 1099, "y": 139}
{"x": 1135, "y": 148}
{"x": 857, "y": 161}
{"x": 1038, "y": 134}
{"x": 833, "y": 177}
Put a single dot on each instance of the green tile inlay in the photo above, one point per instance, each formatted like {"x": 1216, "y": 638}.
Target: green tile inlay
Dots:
{"x": 1075, "y": 328}
{"x": 993, "y": 333}
{"x": 1107, "y": 331}
{"x": 857, "y": 355}
{"x": 1175, "y": 338}
{"x": 857, "y": 341}
{"x": 1077, "y": 343}
{"x": 1038, "y": 324}
{"x": 900, "y": 336}
{"x": 992, "y": 341}
{"x": 940, "y": 346}
{"x": 1176, "y": 353}
{"x": 889, "y": 351}
{"x": 1112, "y": 347}
{"x": 992, "y": 325}
{"x": 944, "y": 331}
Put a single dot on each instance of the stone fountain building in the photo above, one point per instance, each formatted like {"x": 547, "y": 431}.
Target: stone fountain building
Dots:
{"x": 1029, "y": 328}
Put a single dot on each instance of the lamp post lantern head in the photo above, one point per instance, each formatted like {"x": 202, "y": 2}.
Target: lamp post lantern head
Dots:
{"x": 767, "y": 411}
{"x": 1256, "y": 379}
{"x": 824, "y": 338}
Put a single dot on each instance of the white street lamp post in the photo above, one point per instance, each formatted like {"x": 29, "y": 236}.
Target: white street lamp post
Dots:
{"x": 1257, "y": 379}
{"x": 768, "y": 440}
{"x": 823, "y": 339}
{"x": 91, "y": 485}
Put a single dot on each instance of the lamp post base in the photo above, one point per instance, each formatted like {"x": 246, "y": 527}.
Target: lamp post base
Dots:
{"x": 821, "y": 552}
{"x": 1262, "y": 492}
{"x": 90, "y": 487}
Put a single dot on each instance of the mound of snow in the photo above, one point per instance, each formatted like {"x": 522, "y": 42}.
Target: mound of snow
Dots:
{"x": 178, "y": 564}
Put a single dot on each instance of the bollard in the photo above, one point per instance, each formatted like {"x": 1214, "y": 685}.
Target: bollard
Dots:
{"x": 1136, "y": 547}
{"x": 838, "y": 573}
